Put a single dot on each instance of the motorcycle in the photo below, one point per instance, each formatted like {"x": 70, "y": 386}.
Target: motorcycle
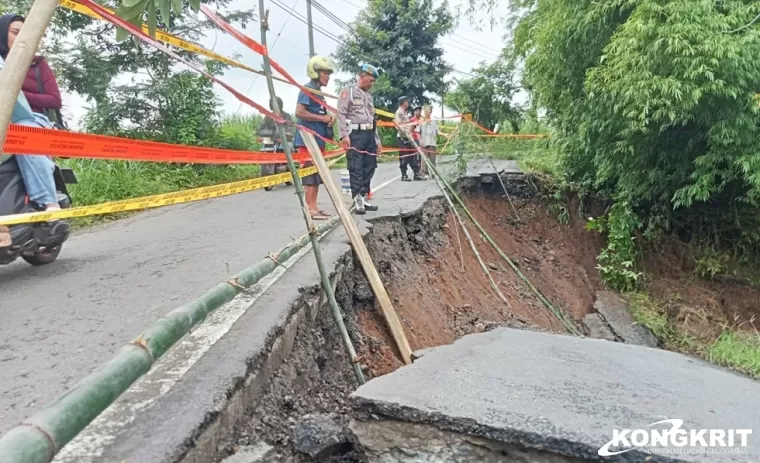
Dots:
{"x": 37, "y": 243}
{"x": 268, "y": 145}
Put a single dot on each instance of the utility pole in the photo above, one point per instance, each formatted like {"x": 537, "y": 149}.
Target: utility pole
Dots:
{"x": 311, "y": 28}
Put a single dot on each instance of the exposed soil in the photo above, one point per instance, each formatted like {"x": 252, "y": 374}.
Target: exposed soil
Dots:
{"x": 440, "y": 293}
{"x": 702, "y": 308}
{"x": 443, "y": 294}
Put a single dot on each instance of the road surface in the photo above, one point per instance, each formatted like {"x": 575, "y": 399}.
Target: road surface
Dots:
{"x": 61, "y": 321}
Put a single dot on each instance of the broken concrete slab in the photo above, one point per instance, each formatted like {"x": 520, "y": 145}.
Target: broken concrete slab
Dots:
{"x": 598, "y": 328}
{"x": 618, "y": 317}
{"x": 259, "y": 453}
{"x": 561, "y": 394}
{"x": 395, "y": 441}
{"x": 320, "y": 436}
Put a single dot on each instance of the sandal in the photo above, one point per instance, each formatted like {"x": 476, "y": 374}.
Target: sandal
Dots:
{"x": 320, "y": 215}
{"x": 5, "y": 237}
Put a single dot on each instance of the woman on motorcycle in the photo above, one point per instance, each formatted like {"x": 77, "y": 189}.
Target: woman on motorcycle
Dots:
{"x": 37, "y": 171}
{"x": 40, "y": 87}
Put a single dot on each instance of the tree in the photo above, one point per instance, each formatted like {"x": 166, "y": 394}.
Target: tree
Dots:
{"x": 653, "y": 105}
{"x": 488, "y": 95}
{"x": 400, "y": 36}
{"x": 136, "y": 90}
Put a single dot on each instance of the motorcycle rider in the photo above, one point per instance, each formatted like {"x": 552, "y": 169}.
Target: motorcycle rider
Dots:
{"x": 36, "y": 170}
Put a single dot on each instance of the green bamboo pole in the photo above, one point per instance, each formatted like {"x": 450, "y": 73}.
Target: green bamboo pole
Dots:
{"x": 567, "y": 324}
{"x": 40, "y": 437}
{"x": 323, "y": 273}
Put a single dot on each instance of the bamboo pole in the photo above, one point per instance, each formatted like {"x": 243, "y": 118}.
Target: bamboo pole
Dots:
{"x": 20, "y": 58}
{"x": 483, "y": 265}
{"x": 360, "y": 249}
{"x": 323, "y": 273}
{"x": 38, "y": 438}
{"x": 553, "y": 310}
{"x": 458, "y": 216}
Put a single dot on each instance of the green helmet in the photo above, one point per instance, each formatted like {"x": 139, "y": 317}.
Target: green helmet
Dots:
{"x": 319, "y": 63}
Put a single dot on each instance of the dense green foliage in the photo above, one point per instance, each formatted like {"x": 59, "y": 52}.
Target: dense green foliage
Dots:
{"x": 653, "y": 105}
{"x": 401, "y": 37}
{"x": 488, "y": 96}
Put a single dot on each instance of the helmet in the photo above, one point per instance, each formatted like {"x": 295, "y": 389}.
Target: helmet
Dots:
{"x": 370, "y": 69}
{"x": 319, "y": 63}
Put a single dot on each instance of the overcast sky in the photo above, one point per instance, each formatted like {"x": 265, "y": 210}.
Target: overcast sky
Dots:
{"x": 464, "y": 50}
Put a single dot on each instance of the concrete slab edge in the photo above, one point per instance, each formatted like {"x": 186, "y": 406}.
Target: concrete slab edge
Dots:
{"x": 244, "y": 397}
{"x": 378, "y": 410}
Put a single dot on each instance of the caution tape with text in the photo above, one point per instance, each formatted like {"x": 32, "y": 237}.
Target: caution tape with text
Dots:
{"x": 32, "y": 140}
{"x": 149, "y": 202}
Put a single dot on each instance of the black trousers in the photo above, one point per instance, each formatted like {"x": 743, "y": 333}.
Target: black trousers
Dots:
{"x": 361, "y": 167}
{"x": 408, "y": 158}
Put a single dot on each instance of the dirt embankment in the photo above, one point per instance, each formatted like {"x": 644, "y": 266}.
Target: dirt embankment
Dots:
{"x": 441, "y": 294}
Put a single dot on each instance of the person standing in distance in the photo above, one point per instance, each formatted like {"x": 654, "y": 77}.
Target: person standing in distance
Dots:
{"x": 357, "y": 129}
{"x": 408, "y": 157}
{"x": 313, "y": 115}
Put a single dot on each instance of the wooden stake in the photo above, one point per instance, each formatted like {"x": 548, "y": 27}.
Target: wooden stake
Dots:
{"x": 394, "y": 324}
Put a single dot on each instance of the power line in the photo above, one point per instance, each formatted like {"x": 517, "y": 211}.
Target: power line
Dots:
{"x": 353, "y": 4}
{"x": 331, "y": 36}
{"x": 476, "y": 53}
{"x": 339, "y": 22}
{"x": 253, "y": 81}
{"x": 479, "y": 49}
{"x": 475, "y": 43}
{"x": 293, "y": 13}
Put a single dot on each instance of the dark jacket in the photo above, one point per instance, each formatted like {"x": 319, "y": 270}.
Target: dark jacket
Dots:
{"x": 268, "y": 125}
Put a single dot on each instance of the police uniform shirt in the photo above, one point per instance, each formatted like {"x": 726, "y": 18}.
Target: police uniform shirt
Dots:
{"x": 315, "y": 108}
{"x": 403, "y": 121}
{"x": 355, "y": 106}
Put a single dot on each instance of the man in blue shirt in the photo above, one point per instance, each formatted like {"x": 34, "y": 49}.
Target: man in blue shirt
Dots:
{"x": 313, "y": 115}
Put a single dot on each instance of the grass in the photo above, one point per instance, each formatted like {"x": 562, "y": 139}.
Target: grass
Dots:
{"x": 739, "y": 350}
{"x": 735, "y": 348}
{"x": 102, "y": 181}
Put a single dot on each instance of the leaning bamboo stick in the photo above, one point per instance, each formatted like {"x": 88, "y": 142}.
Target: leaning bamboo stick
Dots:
{"x": 360, "y": 249}
{"x": 454, "y": 210}
{"x": 324, "y": 275}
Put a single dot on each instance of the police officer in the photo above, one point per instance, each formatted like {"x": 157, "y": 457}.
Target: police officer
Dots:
{"x": 357, "y": 129}
{"x": 404, "y": 140}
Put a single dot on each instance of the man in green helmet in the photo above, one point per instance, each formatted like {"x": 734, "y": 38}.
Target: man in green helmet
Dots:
{"x": 312, "y": 114}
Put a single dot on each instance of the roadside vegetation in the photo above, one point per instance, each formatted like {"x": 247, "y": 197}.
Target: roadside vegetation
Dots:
{"x": 651, "y": 107}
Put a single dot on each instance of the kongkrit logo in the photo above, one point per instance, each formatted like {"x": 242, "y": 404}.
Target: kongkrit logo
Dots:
{"x": 675, "y": 439}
